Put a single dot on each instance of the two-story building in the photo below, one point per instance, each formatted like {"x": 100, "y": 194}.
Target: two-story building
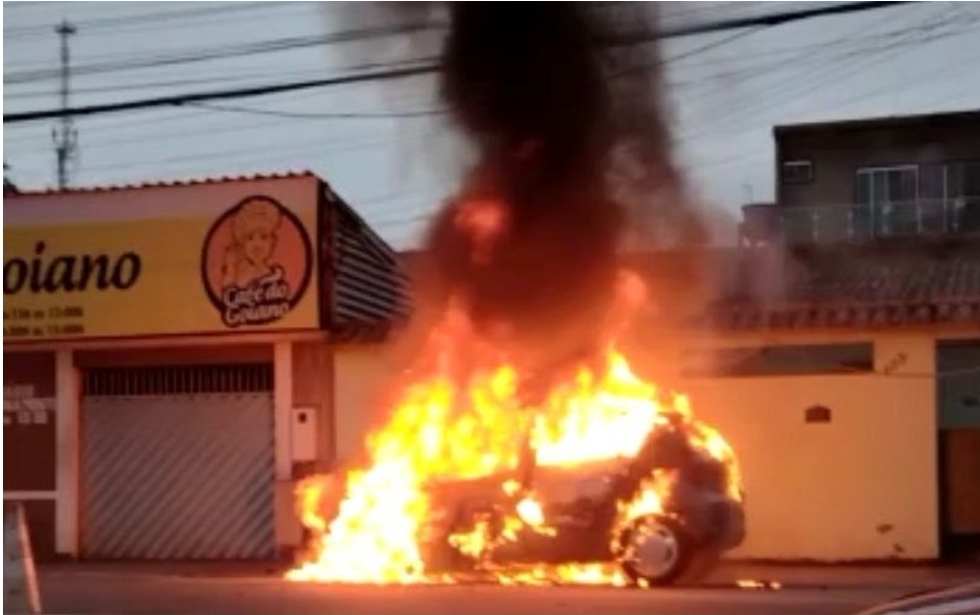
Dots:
{"x": 878, "y": 178}
{"x": 840, "y": 347}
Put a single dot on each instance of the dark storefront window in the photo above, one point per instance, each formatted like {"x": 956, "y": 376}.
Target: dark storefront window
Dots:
{"x": 28, "y": 421}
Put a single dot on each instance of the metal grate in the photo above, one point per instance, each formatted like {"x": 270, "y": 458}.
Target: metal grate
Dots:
{"x": 184, "y": 477}
{"x": 178, "y": 379}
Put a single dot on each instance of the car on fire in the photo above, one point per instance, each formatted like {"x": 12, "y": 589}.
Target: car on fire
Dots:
{"x": 574, "y": 514}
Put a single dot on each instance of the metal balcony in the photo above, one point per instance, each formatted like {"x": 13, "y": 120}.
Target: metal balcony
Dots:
{"x": 765, "y": 223}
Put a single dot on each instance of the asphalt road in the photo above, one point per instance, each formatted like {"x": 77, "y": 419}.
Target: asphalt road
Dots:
{"x": 115, "y": 590}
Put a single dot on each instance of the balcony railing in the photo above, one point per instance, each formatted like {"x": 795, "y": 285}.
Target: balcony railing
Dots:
{"x": 856, "y": 223}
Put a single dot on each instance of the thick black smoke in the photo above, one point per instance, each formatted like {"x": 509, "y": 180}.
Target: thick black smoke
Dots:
{"x": 552, "y": 100}
{"x": 524, "y": 82}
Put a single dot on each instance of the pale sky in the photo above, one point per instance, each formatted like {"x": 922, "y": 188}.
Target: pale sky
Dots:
{"x": 724, "y": 99}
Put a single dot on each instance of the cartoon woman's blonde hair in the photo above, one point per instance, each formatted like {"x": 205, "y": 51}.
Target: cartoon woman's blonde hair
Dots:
{"x": 253, "y": 215}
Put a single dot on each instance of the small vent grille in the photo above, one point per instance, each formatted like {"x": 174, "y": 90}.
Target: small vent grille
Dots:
{"x": 178, "y": 379}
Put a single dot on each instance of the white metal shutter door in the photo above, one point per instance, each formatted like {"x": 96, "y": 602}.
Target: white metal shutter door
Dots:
{"x": 178, "y": 463}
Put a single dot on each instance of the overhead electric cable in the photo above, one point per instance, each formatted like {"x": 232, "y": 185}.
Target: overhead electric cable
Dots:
{"x": 770, "y": 20}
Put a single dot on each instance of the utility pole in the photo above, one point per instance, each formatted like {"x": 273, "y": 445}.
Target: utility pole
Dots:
{"x": 64, "y": 134}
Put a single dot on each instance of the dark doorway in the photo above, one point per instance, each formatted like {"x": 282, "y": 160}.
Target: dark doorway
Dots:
{"x": 958, "y": 420}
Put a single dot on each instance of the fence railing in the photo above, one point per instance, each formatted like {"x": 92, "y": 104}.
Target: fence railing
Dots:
{"x": 836, "y": 223}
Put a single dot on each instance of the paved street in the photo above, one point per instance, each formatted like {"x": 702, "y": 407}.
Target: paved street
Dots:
{"x": 146, "y": 589}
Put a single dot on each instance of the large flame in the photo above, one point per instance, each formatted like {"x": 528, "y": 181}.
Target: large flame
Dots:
{"x": 442, "y": 428}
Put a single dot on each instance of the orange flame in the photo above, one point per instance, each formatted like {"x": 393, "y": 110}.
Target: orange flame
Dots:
{"x": 442, "y": 429}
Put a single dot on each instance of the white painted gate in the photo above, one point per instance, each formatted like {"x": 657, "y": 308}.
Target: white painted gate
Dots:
{"x": 178, "y": 463}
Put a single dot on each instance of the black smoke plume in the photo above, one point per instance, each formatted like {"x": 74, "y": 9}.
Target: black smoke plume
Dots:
{"x": 554, "y": 97}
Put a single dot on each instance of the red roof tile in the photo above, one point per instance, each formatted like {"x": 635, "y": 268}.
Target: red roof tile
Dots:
{"x": 869, "y": 286}
{"x": 872, "y": 286}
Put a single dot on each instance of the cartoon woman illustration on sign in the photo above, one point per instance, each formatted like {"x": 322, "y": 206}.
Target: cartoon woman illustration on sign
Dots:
{"x": 253, "y": 283}
{"x": 248, "y": 258}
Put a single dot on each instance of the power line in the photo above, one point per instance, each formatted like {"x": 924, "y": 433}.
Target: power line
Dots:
{"x": 277, "y": 45}
{"x": 44, "y": 72}
{"x": 425, "y": 112}
{"x": 792, "y": 89}
{"x": 190, "y": 99}
{"x": 284, "y": 115}
{"x": 766, "y": 21}
{"x": 791, "y": 56}
{"x": 211, "y": 155}
{"x": 352, "y": 115}
{"x": 241, "y": 79}
{"x": 856, "y": 61}
{"x": 233, "y": 51}
{"x": 166, "y": 83}
{"x": 686, "y": 54}
{"x": 155, "y": 17}
{"x": 162, "y": 121}
{"x": 434, "y": 112}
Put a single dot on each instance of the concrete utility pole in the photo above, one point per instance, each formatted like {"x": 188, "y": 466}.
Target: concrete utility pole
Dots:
{"x": 64, "y": 134}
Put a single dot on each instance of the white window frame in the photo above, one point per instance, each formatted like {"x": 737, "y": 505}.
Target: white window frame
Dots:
{"x": 875, "y": 207}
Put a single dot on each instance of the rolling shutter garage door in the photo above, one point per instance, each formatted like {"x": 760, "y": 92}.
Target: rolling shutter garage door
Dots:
{"x": 178, "y": 463}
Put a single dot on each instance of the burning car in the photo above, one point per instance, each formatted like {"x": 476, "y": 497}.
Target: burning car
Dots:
{"x": 465, "y": 478}
{"x": 662, "y": 515}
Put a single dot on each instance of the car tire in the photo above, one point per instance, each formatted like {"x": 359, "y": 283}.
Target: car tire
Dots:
{"x": 655, "y": 551}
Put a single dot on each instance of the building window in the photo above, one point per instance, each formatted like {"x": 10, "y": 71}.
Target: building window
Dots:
{"x": 963, "y": 194}
{"x": 789, "y": 360}
{"x": 911, "y": 199}
{"x": 889, "y": 198}
{"x": 797, "y": 171}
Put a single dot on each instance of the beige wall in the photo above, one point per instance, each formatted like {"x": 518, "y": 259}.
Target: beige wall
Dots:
{"x": 341, "y": 385}
{"x": 363, "y": 375}
{"x": 313, "y": 388}
{"x": 863, "y": 486}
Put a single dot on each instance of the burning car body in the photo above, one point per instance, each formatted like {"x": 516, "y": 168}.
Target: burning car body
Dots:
{"x": 521, "y": 436}
{"x": 466, "y": 479}
{"x": 656, "y": 514}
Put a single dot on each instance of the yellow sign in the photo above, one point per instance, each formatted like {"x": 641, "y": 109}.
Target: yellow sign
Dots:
{"x": 251, "y": 269}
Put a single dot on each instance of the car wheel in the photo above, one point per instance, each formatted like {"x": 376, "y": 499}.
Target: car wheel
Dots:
{"x": 656, "y": 551}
